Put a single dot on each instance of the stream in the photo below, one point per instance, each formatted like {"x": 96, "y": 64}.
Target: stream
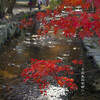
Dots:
{"x": 16, "y": 55}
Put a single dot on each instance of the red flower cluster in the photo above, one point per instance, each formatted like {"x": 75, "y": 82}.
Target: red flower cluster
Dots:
{"x": 80, "y": 23}
{"x": 26, "y": 23}
{"x": 40, "y": 70}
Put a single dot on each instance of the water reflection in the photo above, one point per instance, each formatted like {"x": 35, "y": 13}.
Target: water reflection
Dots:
{"x": 41, "y": 48}
{"x": 7, "y": 74}
{"x": 16, "y": 56}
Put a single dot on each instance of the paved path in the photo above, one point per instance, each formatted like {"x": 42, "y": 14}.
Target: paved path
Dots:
{"x": 17, "y": 10}
{"x": 25, "y": 9}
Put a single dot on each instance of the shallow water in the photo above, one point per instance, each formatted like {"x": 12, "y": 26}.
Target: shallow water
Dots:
{"x": 16, "y": 55}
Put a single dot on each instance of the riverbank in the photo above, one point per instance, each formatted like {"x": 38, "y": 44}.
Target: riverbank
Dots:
{"x": 8, "y": 29}
{"x": 16, "y": 56}
{"x": 93, "y": 49}
{"x": 9, "y": 24}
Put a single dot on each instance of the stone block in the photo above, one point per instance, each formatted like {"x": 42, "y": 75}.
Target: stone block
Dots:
{"x": 97, "y": 58}
{"x": 10, "y": 30}
{"x": 94, "y": 51}
{"x": 98, "y": 63}
{"x": 97, "y": 85}
{"x": 3, "y": 34}
{"x": 3, "y": 22}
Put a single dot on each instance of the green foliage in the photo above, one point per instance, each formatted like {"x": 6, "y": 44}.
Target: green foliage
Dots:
{"x": 54, "y": 4}
{"x": 25, "y": 16}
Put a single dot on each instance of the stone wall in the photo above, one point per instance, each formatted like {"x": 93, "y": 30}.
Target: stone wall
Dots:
{"x": 9, "y": 26}
{"x": 8, "y": 30}
{"x": 93, "y": 49}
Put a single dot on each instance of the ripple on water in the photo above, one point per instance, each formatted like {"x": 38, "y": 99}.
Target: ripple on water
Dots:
{"x": 7, "y": 74}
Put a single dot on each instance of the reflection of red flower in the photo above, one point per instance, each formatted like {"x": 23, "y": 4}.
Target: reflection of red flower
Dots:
{"x": 30, "y": 3}
{"x": 80, "y": 62}
{"x": 75, "y": 62}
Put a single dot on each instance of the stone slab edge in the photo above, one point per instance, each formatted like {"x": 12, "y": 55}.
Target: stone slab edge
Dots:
{"x": 92, "y": 49}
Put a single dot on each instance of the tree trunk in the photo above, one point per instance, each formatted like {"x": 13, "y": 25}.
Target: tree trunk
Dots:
{"x": 34, "y": 2}
{"x": 2, "y": 8}
{"x": 11, "y": 6}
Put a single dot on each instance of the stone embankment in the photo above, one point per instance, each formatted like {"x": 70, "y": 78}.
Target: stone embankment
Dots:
{"x": 9, "y": 28}
{"x": 9, "y": 24}
{"x": 93, "y": 49}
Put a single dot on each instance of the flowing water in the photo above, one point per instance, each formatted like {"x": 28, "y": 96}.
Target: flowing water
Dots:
{"x": 16, "y": 55}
